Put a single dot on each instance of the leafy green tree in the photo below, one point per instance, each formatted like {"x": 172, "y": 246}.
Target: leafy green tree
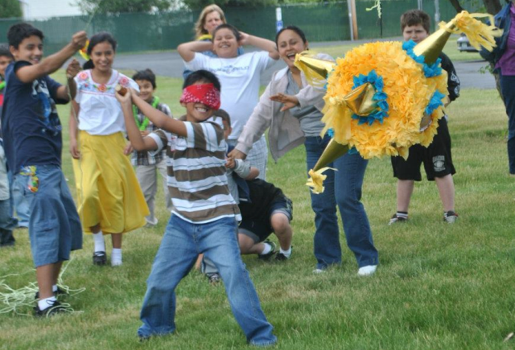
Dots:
{"x": 122, "y": 6}
{"x": 10, "y": 9}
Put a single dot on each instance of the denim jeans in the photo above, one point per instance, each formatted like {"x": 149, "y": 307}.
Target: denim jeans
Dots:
{"x": 181, "y": 244}
{"x": 508, "y": 93}
{"x": 7, "y": 224}
{"x": 21, "y": 201}
{"x": 54, "y": 225}
{"x": 342, "y": 188}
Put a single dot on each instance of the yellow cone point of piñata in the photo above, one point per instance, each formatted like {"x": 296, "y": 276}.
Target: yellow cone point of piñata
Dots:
{"x": 478, "y": 33}
{"x": 333, "y": 151}
{"x": 315, "y": 69}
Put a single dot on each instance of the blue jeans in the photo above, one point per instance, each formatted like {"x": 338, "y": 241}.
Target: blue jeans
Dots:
{"x": 342, "y": 188}
{"x": 508, "y": 93}
{"x": 181, "y": 244}
{"x": 54, "y": 225}
{"x": 21, "y": 201}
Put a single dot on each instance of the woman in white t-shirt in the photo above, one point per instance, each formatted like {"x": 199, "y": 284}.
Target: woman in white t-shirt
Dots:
{"x": 239, "y": 76}
{"x": 109, "y": 195}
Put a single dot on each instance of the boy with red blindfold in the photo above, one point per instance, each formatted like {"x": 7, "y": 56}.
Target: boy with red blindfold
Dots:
{"x": 204, "y": 216}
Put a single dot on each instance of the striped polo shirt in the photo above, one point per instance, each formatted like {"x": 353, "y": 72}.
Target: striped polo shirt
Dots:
{"x": 197, "y": 177}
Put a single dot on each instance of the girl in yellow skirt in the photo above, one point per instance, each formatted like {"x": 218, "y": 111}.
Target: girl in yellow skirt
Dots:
{"x": 110, "y": 198}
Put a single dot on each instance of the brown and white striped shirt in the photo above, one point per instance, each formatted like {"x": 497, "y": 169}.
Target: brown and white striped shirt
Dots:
{"x": 196, "y": 172}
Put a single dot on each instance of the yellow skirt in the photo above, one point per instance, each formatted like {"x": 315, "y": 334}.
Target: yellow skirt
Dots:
{"x": 108, "y": 191}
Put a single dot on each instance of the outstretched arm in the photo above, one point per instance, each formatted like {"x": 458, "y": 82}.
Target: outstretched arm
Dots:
{"x": 74, "y": 128}
{"x": 52, "y": 63}
{"x": 260, "y": 43}
{"x": 64, "y": 92}
{"x": 138, "y": 142}
{"x": 159, "y": 119}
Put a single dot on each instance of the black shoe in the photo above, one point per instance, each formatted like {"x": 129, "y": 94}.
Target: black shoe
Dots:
{"x": 270, "y": 254}
{"x": 214, "y": 278}
{"x": 58, "y": 292}
{"x": 281, "y": 257}
{"x": 51, "y": 310}
{"x": 99, "y": 258}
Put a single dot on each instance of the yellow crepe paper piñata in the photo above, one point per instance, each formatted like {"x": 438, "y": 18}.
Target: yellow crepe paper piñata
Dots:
{"x": 408, "y": 87}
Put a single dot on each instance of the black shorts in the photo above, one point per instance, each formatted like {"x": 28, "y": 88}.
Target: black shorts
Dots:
{"x": 259, "y": 230}
{"x": 437, "y": 158}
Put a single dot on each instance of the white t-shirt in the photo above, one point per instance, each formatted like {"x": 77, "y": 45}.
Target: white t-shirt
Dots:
{"x": 239, "y": 77}
{"x": 100, "y": 112}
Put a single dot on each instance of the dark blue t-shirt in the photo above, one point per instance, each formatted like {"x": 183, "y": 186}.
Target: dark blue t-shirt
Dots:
{"x": 30, "y": 125}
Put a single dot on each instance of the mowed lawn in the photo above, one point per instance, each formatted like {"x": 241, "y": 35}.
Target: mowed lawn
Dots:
{"x": 438, "y": 286}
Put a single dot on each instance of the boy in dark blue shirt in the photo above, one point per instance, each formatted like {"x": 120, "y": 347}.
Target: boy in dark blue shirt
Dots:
{"x": 33, "y": 143}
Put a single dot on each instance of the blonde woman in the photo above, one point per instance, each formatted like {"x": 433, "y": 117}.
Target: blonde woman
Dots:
{"x": 210, "y": 18}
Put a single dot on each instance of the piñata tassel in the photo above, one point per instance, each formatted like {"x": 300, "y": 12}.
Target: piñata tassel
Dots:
{"x": 316, "y": 180}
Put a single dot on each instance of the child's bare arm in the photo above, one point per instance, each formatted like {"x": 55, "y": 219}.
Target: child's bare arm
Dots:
{"x": 138, "y": 142}
{"x": 159, "y": 119}
{"x": 242, "y": 168}
{"x": 260, "y": 43}
{"x": 53, "y": 62}
{"x": 70, "y": 90}
{"x": 74, "y": 128}
{"x": 187, "y": 50}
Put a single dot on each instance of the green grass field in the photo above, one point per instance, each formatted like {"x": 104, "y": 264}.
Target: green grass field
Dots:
{"x": 438, "y": 286}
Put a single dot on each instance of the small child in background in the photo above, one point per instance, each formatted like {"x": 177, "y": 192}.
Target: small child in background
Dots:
{"x": 5, "y": 58}
{"x": 437, "y": 158}
{"x": 204, "y": 215}
{"x": 5, "y": 179}
{"x": 148, "y": 165}
{"x": 7, "y": 223}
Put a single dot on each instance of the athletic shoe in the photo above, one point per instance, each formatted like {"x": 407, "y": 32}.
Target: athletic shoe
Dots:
{"x": 318, "y": 271}
{"x": 395, "y": 218}
{"x": 214, "y": 278}
{"x": 281, "y": 257}
{"x": 99, "y": 258}
{"x": 270, "y": 254}
{"x": 51, "y": 310}
{"x": 367, "y": 270}
{"x": 450, "y": 217}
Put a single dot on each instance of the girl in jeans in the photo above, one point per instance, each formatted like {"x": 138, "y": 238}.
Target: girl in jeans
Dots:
{"x": 292, "y": 110}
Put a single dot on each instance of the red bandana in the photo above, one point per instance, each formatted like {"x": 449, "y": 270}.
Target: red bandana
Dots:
{"x": 202, "y": 93}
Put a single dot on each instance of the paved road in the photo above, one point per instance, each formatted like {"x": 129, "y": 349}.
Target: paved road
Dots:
{"x": 170, "y": 64}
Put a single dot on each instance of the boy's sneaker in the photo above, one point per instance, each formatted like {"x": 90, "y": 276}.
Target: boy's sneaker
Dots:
{"x": 450, "y": 217}
{"x": 281, "y": 257}
{"x": 214, "y": 278}
{"x": 99, "y": 258}
{"x": 368, "y": 270}
{"x": 51, "y": 310}
{"x": 398, "y": 218}
{"x": 270, "y": 254}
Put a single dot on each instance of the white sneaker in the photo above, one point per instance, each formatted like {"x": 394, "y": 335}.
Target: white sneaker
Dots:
{"x": 367, "y": 270}
{"x": 318, "y": 271}
{"x": 151, "y": 223}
